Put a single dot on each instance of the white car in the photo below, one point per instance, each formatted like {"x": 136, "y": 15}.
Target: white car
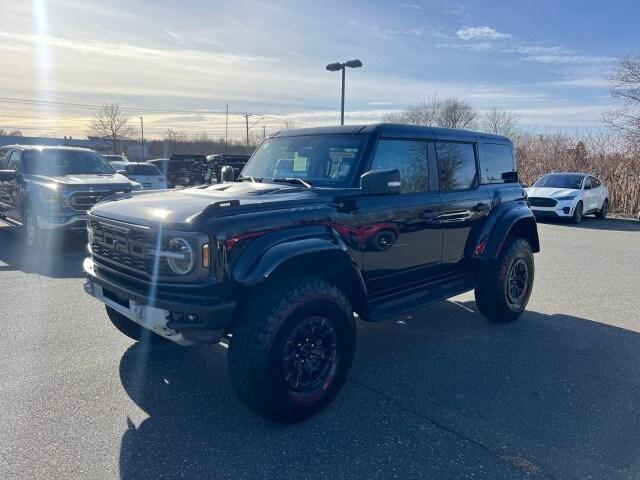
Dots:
{"x": 145, "y": 174}
{"x": 568, "y": 195}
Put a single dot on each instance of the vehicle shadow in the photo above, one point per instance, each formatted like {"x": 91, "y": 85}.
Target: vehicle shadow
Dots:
{"x": 592, "y": 223}
{"x": 444, "y": 394}
{"x": 58, "y": 258}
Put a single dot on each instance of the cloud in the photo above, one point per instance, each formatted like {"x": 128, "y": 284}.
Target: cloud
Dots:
{"x": 571, "y": 59}
{"x": 481, "y": 33}
{"x": 409, "y": 5}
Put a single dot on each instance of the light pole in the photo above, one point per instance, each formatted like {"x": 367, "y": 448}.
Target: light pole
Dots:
{"x": 142, "y": 138}
{"x": 334, "y": 67}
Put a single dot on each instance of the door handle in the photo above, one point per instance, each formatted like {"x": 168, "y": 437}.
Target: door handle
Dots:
{"x": 481, "y": 207}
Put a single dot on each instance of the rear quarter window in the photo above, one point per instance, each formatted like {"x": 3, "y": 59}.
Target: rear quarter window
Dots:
{"x": 497, "y": 163}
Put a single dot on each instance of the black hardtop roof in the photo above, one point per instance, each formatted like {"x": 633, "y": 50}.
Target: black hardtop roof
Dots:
{"x": 47, "y": 147}
{"x": 397, "y": 130}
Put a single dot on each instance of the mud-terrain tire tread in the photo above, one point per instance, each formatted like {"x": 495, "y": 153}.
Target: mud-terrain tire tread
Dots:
{"x": 490, "y": 294}
{"x": 254, "y": 335}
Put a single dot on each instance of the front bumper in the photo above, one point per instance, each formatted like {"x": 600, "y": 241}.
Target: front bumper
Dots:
{"x": 75, "y": 222}
{"x": 182, "y": 323}
{"x": 561, "y": 210}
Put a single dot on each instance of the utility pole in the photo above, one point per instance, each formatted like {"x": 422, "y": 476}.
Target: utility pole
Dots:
{"x": 264, "y": 132}
{"x": 142, "y": 138}
{"x": 226, "y": 130}
{"x": 246, "y": 121}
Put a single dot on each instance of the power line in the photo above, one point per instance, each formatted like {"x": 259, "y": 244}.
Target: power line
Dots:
{"x": 27, "y": 101}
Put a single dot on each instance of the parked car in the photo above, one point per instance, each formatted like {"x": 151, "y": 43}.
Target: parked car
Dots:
{"x": 568, "y": 195}
{"x": 115, "y": 158}
{"x": 185, "y": 170}
{"x": 50, "y": 189}
{"x": 216, "y": 162}
{"x": 144, "y": 173}
{"x": 378, "y": 220}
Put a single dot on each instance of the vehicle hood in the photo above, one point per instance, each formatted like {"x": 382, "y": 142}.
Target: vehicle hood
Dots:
{"x": 179, "y": 208}
{"x": 116, "y": 180}
{"x": 551, "y": 192}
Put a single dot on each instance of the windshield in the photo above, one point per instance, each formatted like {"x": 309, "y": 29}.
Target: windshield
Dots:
{"x": 558, "y": 180}
{"x": 66, "y": 162}
{"x": 321, "y": 160}
{"x": 142, "y": 170}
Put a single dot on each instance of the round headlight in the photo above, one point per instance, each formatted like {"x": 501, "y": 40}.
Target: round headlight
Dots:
{"x": 181, "y": 258}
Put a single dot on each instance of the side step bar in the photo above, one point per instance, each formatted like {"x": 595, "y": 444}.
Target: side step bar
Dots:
{"x": 431, "y": 293}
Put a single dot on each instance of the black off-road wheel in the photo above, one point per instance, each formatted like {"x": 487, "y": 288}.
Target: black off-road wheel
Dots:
{"x": 577, "y": 213}
{"x": 292, "y": 348}
{"x": 134, "y": 331}
{"x": 504, "y": 286}
{"x": 604, "y": 210}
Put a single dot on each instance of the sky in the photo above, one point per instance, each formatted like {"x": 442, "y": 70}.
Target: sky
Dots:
{"x": 179, "y": 64}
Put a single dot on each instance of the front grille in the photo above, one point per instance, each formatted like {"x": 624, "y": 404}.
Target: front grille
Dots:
{"x": 83, "y": 201}
{"x": 542, "y": 202}
{"x": 126, "y": 249}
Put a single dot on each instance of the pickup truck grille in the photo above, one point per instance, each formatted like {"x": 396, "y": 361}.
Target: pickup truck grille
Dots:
{"x": 542, "y": 202}
{"x": 83, "y": 201}
{"x": 125, "y": 249}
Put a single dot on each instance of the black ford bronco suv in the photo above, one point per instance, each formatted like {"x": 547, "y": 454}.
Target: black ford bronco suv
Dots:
{"x": 322, "y": 225}
{"x": 50, "y": 189}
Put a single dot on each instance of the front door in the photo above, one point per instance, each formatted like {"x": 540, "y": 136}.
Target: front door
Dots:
{"x": 400, "y": 234}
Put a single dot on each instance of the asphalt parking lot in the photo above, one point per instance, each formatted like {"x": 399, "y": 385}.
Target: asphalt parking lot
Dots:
{"x": 441, "y": 394}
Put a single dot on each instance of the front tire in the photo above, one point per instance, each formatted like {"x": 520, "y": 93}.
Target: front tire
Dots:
{"x": 32, "y": 235}
{"x": 602, "y": 213}
{"x": 504, "y": 286}
{"x": 292, "y": 348}
{"x": 577, "y": 213}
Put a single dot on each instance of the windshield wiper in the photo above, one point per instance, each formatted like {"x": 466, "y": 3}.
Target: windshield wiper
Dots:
{"x": 292, "y": 180}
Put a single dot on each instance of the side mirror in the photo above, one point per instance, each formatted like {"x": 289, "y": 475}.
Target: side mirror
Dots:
{"x": 381, "y": 182}
{"x": 226, "y": 174}
{"x": 122, "y": 172}
{"x": 7, "y": 175}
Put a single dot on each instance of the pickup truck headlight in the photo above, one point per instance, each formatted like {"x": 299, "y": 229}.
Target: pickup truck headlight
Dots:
{"x": 570, "y": 197}
{"x": 180, "y": 256}
{"x": 50, "y": 199}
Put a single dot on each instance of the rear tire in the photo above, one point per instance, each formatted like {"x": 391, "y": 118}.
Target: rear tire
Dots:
{"x": 134, "y": 331}
{"x": 504, "y": 286}
{"x": 304, "y": 319}
{"x": 577, "y": 213}
{"x": 602, "y": 213}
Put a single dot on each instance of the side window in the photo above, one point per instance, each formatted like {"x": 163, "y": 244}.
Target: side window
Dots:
{"x": 4, "y": 157}
{"x": 456, "y": 165}
{"x": 496, "y": 162}
{"x": 595, "y": 183}
{"x": 13, "y": 162}
{"x": 408, "y": 156}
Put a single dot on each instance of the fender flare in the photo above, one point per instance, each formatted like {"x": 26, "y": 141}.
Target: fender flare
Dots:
{"x": 501, "y": 224}
{"x": 269, "y": 252}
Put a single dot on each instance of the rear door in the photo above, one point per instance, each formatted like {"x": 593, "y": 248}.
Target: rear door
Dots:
{"x": 465, "y": 204}
{"x": 400, "y": 234}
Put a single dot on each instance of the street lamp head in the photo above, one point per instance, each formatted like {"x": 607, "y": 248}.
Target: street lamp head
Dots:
{"x": 334, "y": 67}
{"x": 353, "y": 63}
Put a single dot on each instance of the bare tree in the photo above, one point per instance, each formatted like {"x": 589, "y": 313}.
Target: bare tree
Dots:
{"x": 111, "y": 124}
{"x": 499, "y": 122}
{"x": 10, "y": 133}
{"x": 289, "y": 125}
{"x": 625, "y": 90}
{"x": 449, "y": 113}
